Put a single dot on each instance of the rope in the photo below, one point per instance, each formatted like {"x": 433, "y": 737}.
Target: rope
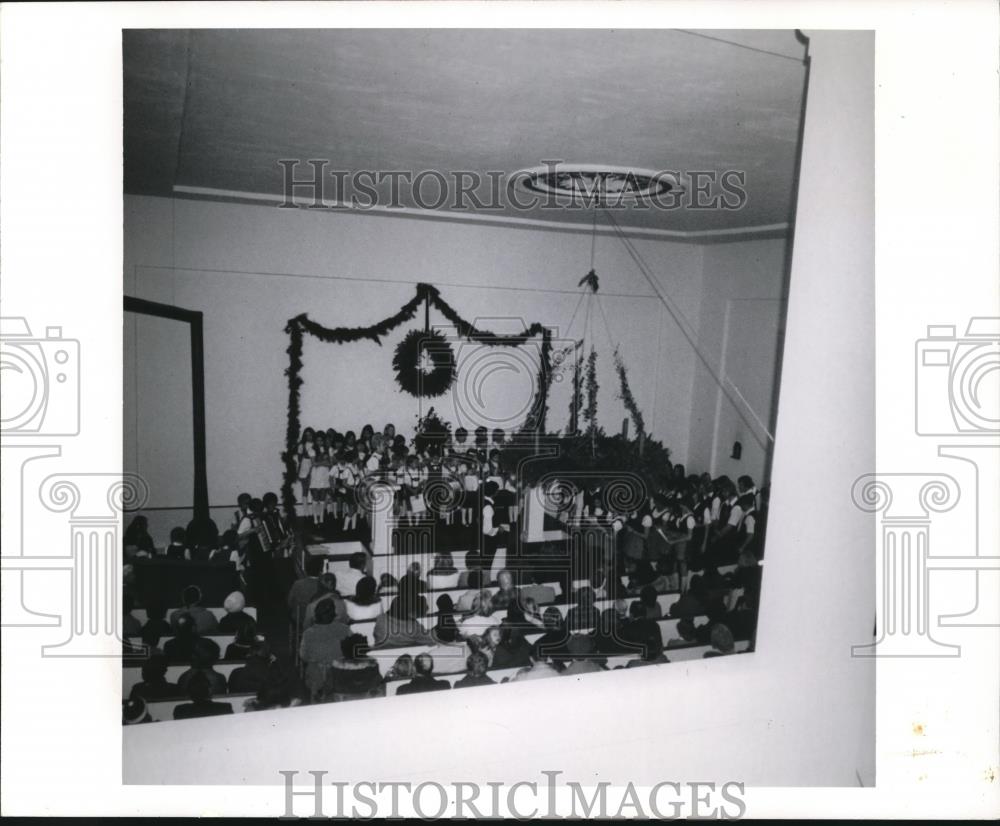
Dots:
{"x": 686, "y": 329}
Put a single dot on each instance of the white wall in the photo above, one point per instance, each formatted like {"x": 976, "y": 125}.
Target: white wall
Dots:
{"x": 251, "y": 268}
{"x": 742, "y": 315}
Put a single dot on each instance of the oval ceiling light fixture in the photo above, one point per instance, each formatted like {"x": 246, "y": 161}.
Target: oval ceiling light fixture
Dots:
{"x": 597, "y": 183}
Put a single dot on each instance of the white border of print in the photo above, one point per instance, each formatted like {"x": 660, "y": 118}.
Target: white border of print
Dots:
{"x": 936, "y": 262}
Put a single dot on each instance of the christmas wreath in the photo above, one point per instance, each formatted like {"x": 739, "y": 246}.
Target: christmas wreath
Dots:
{"x": 424, "y": 363}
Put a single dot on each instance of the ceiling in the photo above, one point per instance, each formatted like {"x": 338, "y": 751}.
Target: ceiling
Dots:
{"x": 212, "y": 111}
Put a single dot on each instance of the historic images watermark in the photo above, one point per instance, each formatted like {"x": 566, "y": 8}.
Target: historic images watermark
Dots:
{"x": 553, "y": 185}
{"x": 956, "y": 401}
{"x": 525, "y": 799}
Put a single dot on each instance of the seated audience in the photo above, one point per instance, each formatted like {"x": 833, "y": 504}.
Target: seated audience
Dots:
{"x": 423, "y": 679}
{"x": 473, "y": 565}
{"x": 652, "y": 652}
{"x": 506, "y": 594}
{"x": 156, "y": 621}
{"x": 402, "y": 669}
{"x": 274, "y": 693}
{"x": 181, "y": 647}
{"x": 410, "y": 582}
{"x": 552, "y": 644}
{"x": 327, "y": 592}
{"x": 538, "y": 670}
{"x": 444, "y": 574}
{"x": 236, "y": 618}
{"x": 467, "y": 602}
{"x": 721, "y": 639}
{"x": 354, "y": 675}
{"x": 256, "y": 671}
{"x": 584, "y": 615}
{"x": 204, "y": 619}
{"x": 648, "y": 598}
{"x": 365, "y": 604}
{"x": 347, "y": 581}
{"x": 608, "y": 634}
{"x": 514, "y": 650}
{"x": 638, "y": 629}
{"x": 476, "y": 666}
{"x": 137, "y": 541}
{"x": 134, "y": 711}
{"x": 690, "y": 603}
{"x": 446, "y": 629}
{"x": 243, "y": 642}
{"x": 154, "y": 685}
{"x": 203, "y": 657}
{"x": 200, "y": 691}
{"x": 481, "y": 617}
{"x": 583, "y": 656}
{"x": 399, "y": 627}
{"x": 321, "y": 645}
{"x": 178, "y": 549}
{"x": 131, "y": 627}
{"x": 304, "y": 589}
{"x": 541, "y": 593}
{"x": 686, "y": 632}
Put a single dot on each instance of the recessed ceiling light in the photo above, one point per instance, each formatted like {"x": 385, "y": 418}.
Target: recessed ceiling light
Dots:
{"x": 597, "y": 183}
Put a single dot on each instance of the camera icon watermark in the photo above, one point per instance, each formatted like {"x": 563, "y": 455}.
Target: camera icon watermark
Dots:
{"x": 957, "y": 398}
{"x": 41, "y": 381}
{"x": 958, "y": 380}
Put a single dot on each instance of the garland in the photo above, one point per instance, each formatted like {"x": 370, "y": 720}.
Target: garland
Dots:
{"x": 590, "y": 414}
{"x": 625, "y": 394}
{"x": 576, "y": 399}
{"x": 411, "y": 377}
{"x": 301, "y": 324}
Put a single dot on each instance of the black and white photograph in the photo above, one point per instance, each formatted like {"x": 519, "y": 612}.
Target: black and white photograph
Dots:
{"x": 426, "y": 393}
{"x": 500, "y": 410}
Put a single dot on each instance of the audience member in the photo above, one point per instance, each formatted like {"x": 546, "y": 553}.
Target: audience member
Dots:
{"x": 476, "y": 666}
{"x": 200, "y": 691}
{"x": 423, "y": 679}
{"x": 347, "y": 581}
{"x": 154, "y": 685}
{"x": 255, "y": 672}
{"x": 354, "y": 675}
{"x": 156, "y": 620}
{"x": 365, "y": 604}
{"x": 236, "y": 618}
{"x": 584, "y": 657}
{"x": 327, "y": 592}
{"x": 178, "y": 549}
{"x": 243, "y": 642}
{"x": 134, "y": 712}
{"x": 321, "y": 645}
{"x": 204, "y": 655}
{"x": 204, "y": 619}
{"x": 722, "y": 642}
{"x": 398, "y": 627}
{"x": 514, "y": 650}
{"x": 131, "y": 627}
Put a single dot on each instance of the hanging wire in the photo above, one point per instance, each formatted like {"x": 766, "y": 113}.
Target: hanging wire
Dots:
{"x": 688, "y": 331}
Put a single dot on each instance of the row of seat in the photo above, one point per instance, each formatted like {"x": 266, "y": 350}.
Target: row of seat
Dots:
{"x": 141, "y": 615}
{"x": 385, "y": 657}
{"x": 161, "y": 710}
{"x": 367, "y": 627}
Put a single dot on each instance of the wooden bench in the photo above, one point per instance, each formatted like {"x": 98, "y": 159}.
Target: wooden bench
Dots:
{"x": 163, "y": 710}
{"x": 133, "y": 674}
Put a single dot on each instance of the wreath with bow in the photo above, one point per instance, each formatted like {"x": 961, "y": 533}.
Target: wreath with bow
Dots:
{"x": 424, "y": 363}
